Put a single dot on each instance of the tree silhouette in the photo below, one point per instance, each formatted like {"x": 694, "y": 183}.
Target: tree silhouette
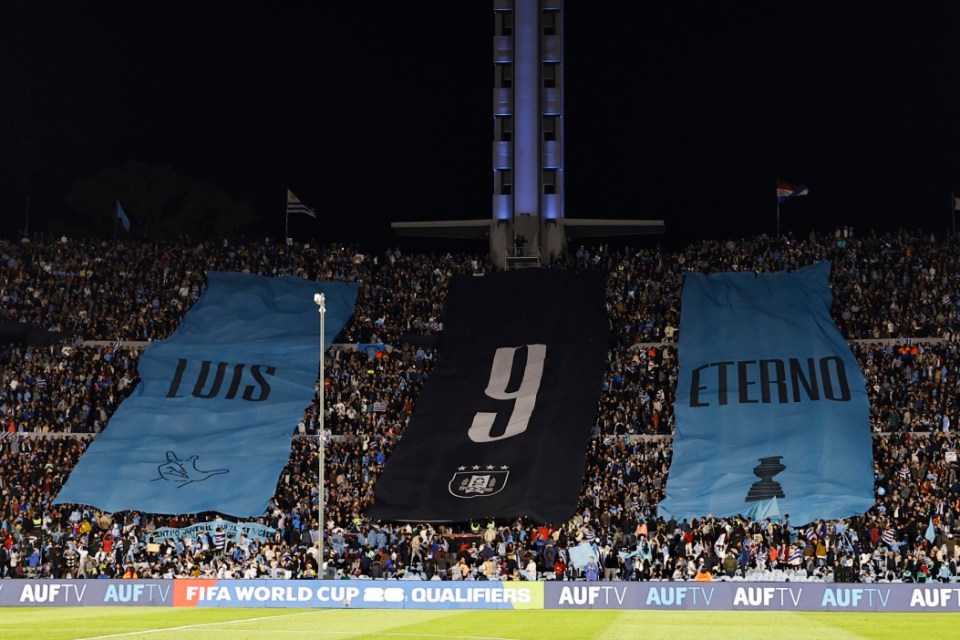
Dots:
{"x": 160, "y": 203}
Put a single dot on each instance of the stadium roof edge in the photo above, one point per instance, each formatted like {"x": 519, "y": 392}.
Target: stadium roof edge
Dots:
{"x": 470, "y": 229}
{"x": 584, "y": 228}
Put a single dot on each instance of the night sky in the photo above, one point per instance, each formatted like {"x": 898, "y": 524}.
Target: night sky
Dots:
{"x": 380, "y": 111}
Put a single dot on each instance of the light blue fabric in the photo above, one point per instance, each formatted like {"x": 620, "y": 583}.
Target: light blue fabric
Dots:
{"x": 582, "y": 554}
{"x": 184, "y": 442}
{"x": 794, "y": 397}
{"x": 763, "y": 509}
{"x": 122, "y": 216}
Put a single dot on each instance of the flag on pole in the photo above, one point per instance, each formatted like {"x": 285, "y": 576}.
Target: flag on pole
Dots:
{"x": 787, "y": 191}
{"x": 122, "y": 216}
{"x": 295, "y": 206}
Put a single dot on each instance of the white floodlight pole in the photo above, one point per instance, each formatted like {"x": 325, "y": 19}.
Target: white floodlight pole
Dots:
{"x": 321, "y": 303}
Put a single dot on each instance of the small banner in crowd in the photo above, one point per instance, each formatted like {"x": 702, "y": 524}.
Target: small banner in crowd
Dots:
{"x": 232, "y": 530}
{"x": 772, "y": 416}
{"x": 502, "y": 424}
{"x": 209, "y": 426}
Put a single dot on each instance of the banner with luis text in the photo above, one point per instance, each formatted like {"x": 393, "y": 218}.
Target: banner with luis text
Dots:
{"x": 209, "y": 426}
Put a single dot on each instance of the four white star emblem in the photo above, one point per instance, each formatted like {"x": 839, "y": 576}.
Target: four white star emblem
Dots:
{"x": 488, "y": 467}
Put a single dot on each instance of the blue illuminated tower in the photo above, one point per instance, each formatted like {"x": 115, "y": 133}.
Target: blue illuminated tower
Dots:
{"x": 528, "y": 128}
{"x": 528, "y": 225}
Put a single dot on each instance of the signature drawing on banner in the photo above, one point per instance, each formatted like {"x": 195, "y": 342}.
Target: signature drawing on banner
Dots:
{"x": 183, "y": 471}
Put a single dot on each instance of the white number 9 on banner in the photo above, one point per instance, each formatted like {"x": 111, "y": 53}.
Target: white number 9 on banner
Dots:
{"x": 525, "y": 397}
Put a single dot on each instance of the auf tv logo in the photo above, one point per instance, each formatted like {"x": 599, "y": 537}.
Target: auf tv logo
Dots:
{"x": 183, "y": 471}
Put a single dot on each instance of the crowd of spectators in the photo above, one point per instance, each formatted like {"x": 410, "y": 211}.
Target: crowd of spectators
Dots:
{"x": 896, "y": 297}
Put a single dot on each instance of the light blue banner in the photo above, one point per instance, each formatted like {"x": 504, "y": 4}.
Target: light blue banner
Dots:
{"x": 209, "y": 426}
{"x": 772, "y": 415}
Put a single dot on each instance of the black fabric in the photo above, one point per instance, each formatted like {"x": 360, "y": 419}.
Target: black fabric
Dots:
{"x": 438, "y": 472}
{"x": 14, "y": 332}
{"x": 429, "y": 340}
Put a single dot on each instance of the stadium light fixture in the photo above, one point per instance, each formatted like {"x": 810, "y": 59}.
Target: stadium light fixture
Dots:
{"x": 320, "y": 300}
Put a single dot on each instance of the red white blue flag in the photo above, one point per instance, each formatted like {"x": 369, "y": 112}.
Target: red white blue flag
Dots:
{"x": 787, "y": 191}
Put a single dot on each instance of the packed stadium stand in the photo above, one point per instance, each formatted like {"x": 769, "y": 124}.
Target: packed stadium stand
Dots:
{"x": 93, "y": 304}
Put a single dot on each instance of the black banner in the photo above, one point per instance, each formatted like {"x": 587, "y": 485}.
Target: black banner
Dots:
{"x": 502, "y": 424}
